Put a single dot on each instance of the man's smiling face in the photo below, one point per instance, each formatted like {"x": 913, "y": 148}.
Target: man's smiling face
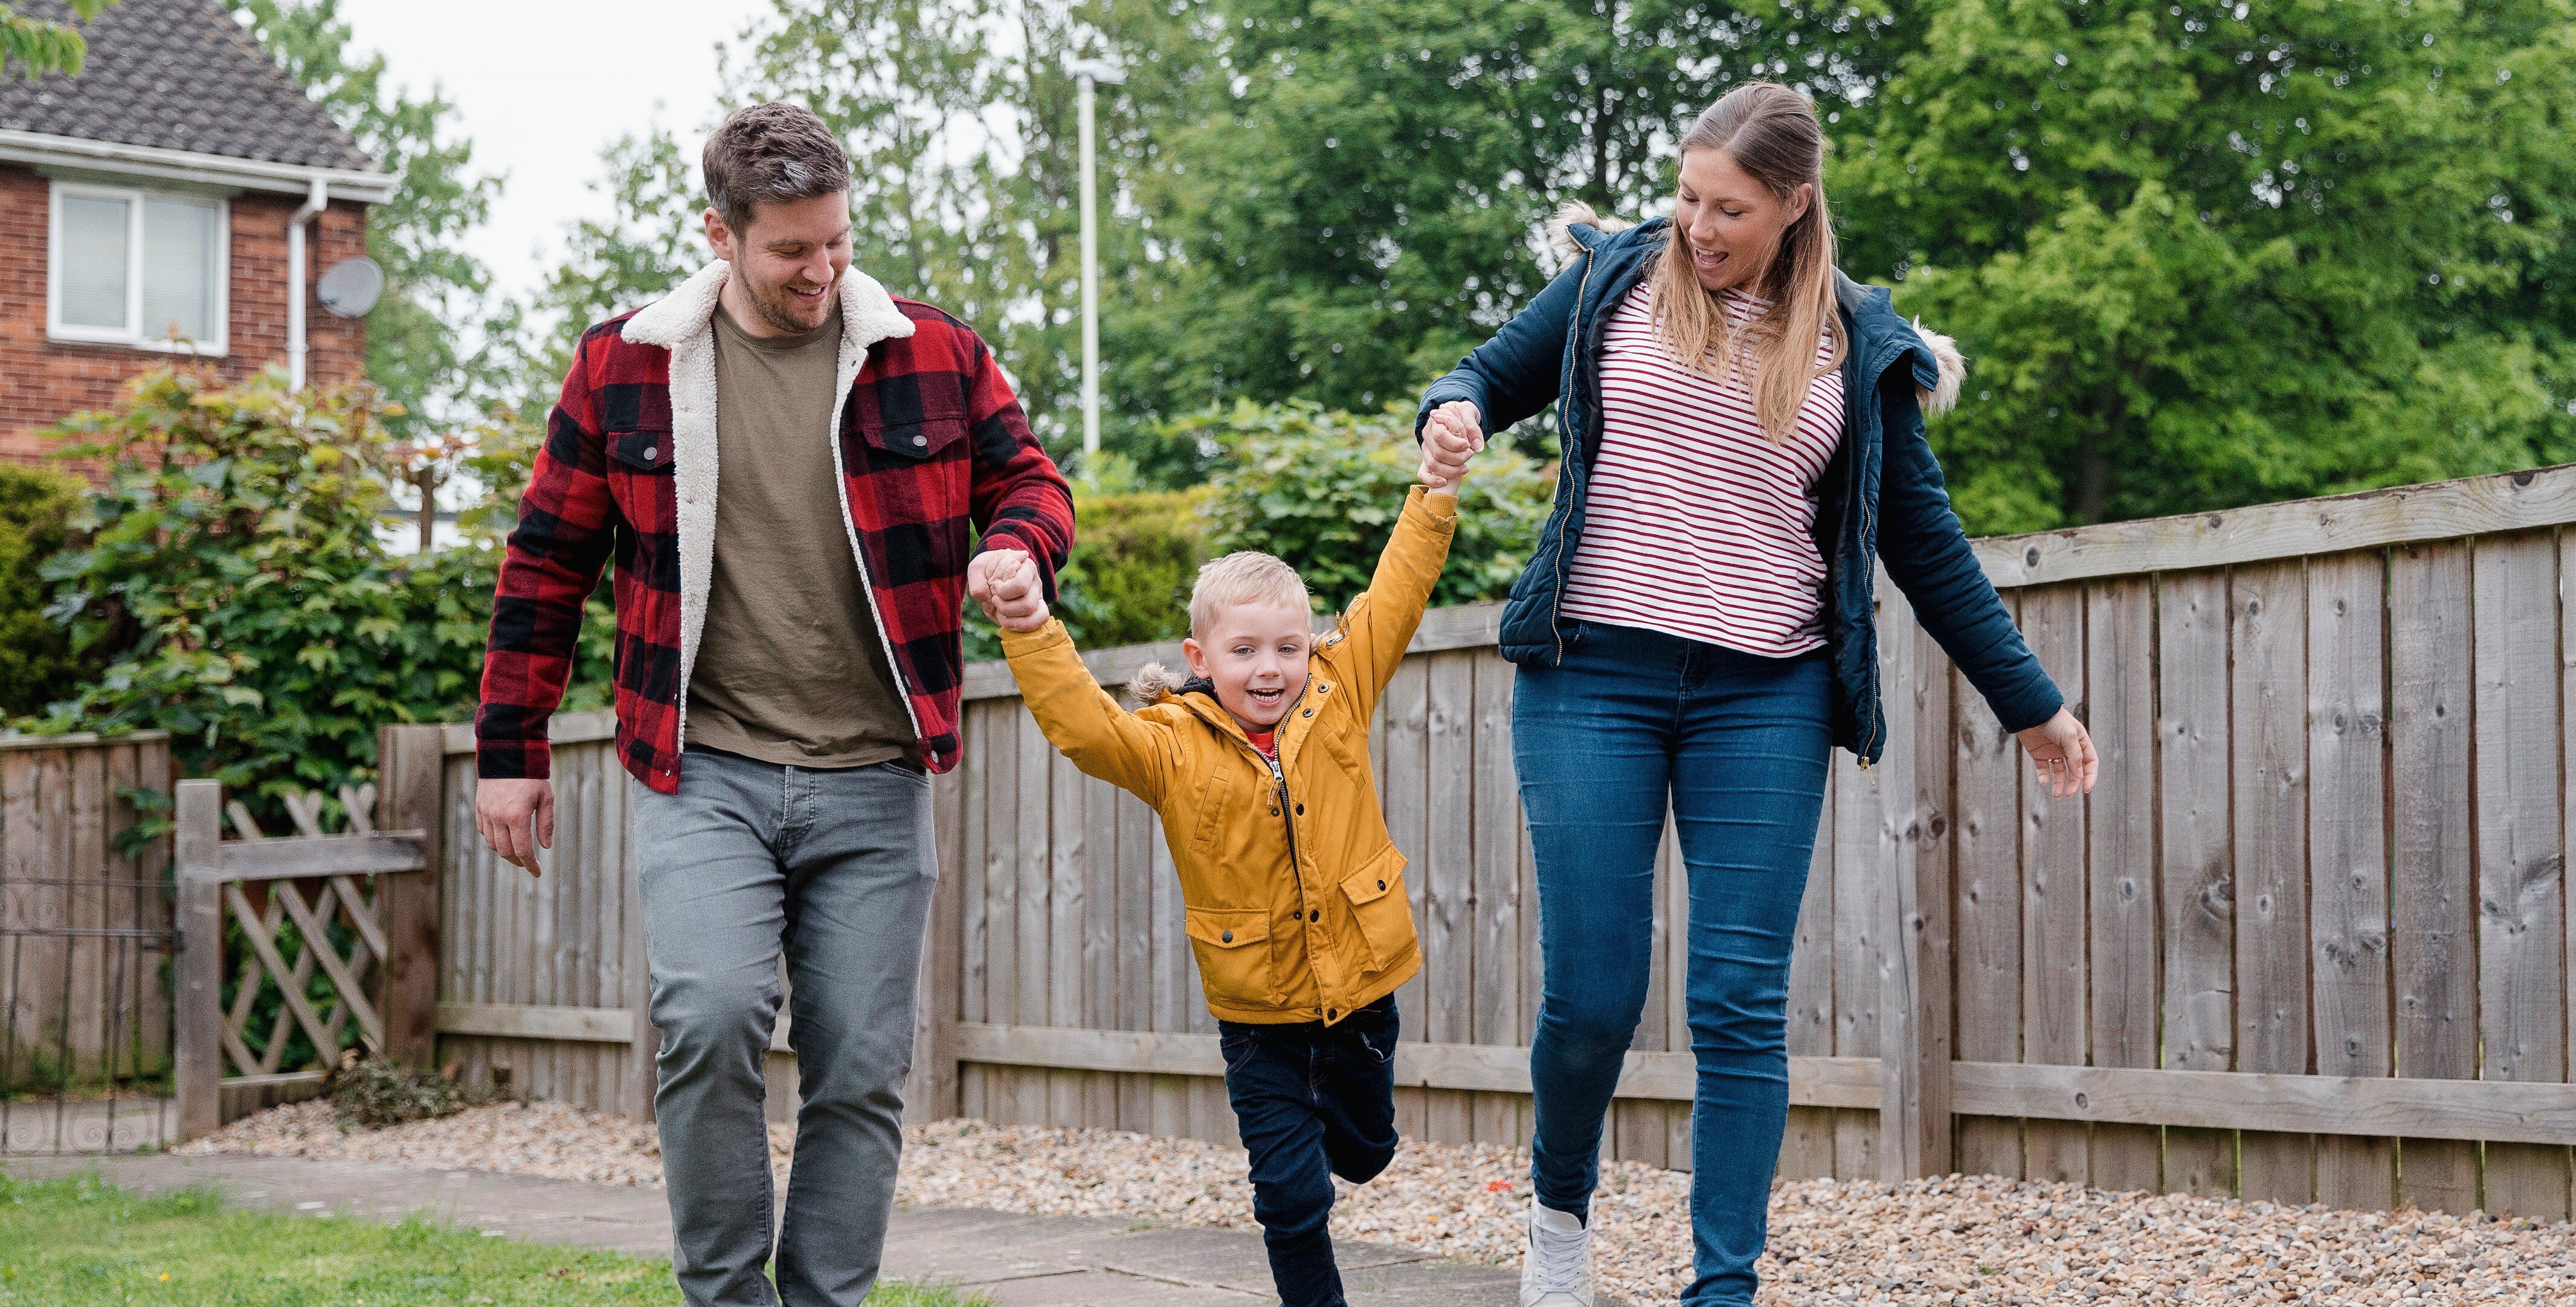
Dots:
{"x": 787, "y": 261}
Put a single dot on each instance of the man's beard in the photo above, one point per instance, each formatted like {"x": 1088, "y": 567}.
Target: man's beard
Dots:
{"x": 783, "y": 311}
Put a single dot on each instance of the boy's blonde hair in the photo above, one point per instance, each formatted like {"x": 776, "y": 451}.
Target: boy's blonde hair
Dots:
{"x": 1247, "y": 576}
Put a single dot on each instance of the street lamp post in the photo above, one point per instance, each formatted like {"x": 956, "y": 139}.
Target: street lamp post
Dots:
{"x": 1088, "y": 73}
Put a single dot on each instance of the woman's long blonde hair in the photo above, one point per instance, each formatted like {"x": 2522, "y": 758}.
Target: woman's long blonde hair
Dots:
{"x": 1770, "y": 132}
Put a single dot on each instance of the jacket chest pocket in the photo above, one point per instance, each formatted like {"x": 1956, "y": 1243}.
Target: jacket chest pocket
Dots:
{"x": 928, "y": 468}
{"x": 640, "y": 480}
{"x": 1233, "y": 950}
{"x": 1381, "y": 909}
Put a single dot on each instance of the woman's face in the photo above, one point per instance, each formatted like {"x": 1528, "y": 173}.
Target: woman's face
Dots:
{"x": 1730, "y": 223}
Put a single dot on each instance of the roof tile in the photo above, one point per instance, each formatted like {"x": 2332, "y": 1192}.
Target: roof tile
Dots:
{"x": 177, "y": 75}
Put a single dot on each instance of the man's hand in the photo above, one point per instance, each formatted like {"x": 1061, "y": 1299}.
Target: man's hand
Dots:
{"x": 1005, "y": 584}
{"x": 2062, "y": 751}
{"x": 517, "y": 818}
{"x": 1454, "y": 432}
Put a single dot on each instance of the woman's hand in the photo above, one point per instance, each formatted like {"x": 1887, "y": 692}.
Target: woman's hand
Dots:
{"x": 2062, "y": 752}
{"x": 1454, "y": 432}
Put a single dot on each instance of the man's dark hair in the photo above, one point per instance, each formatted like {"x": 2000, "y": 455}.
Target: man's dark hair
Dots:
{"x": 767, "y": 154}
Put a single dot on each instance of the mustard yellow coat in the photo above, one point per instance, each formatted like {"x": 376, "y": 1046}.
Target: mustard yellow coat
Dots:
{"x": 1295, "y": 894}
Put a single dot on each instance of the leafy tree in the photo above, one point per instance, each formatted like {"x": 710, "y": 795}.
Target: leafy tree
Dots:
{"x": 36, "y": 663}
{"x": 40, "y": 45}
{"x": 2209, "y": 254}
{"x": 651, "y": 238}
{"x": 425, "y": 346}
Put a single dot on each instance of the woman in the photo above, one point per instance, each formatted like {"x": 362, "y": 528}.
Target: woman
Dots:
{"x": 1742, "y": 430}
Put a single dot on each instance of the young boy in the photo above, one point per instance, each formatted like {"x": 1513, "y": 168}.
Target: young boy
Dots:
{"x": 1258, "y": 764}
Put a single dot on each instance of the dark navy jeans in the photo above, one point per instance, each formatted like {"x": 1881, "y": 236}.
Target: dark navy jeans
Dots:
{"x": 1312, "y": 1102}
{"x": 1737, "y": 745}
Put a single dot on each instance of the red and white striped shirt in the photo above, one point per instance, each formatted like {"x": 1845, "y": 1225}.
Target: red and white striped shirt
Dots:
{"x": 1696, "y": 525}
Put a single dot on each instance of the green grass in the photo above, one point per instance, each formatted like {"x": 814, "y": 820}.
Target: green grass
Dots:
{"x": 78, "y": 1243}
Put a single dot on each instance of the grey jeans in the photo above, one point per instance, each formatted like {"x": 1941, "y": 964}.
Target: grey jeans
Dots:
{"x": 834, "y": 869}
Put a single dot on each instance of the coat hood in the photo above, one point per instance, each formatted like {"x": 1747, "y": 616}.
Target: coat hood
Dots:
{"x": 1939, "y": 368}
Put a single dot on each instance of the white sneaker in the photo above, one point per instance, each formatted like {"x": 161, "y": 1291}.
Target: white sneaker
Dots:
{"x": 1556, "y": 1269}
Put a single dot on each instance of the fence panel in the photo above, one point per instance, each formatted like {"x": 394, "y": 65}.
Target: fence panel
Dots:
{"x": 2304, "y": 942}
{"x": 85, "y": 942}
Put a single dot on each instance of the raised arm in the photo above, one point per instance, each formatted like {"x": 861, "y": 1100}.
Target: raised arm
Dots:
{"x": 1380, "y": 623}
{"x": 1515, "y": 374}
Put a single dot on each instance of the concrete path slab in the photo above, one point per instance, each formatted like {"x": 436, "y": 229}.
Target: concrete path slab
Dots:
{"x": 1017, "y": 1260}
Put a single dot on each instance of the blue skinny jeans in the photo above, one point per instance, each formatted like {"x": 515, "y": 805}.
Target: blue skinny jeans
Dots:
{"x": 1737, "y": 745}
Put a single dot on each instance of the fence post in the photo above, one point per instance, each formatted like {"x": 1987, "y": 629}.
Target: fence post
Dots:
{"x": 412, "y": 765}
{"x": 932, "y": 1094}
{"x": 1914, "y": 1048}
{"x": 197, "y": 1070}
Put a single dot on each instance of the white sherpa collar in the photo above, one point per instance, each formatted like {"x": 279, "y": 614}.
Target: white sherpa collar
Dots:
{"x": 683, "y": 322}
{"x": 868, "y": 313}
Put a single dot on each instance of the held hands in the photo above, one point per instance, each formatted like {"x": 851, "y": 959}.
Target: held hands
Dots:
{"x": 2062, "y": 752}
{"x": 517, "y": 818}
{"x": 1005, "y": 584}
{"x": 1454, "y": 432}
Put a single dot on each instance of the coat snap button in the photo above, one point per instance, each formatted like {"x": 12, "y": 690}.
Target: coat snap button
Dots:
{"x": 921, "y": 440}
{"x": 1381, "y": 884}
{"x": 1310, "y": 712}
{"x": 1316, "y": 914}
{"x": 1301, "y": 810}
{"x": 652, "y": 452}
{"x": 1225, "y": 937}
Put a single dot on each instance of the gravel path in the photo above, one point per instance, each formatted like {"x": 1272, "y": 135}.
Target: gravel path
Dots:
{"x": 1947, "y": 1242}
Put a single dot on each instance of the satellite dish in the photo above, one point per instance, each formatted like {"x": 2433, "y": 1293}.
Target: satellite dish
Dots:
{"x": 351, "y": 287}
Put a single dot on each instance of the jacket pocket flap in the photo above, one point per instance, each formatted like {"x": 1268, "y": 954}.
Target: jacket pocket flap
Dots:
{"x": 915, "y": 439}
{"x": 644, "y": 451}
{"x": 1229, "y": 929}
{"x": 1374, "y": 880}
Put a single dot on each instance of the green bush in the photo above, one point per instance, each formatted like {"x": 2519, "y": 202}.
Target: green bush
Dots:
{"x": 36, "y": 661}
{"x": 232, "y": 577}
{"x": 1322, "y": 489}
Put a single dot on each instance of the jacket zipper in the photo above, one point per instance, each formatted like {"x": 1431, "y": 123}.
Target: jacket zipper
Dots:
{"x": 1869, "y": 528}
{"x": 1556, "y": 617}
{"x": 850, "y": 526}
{"x": 1288, "y": 817}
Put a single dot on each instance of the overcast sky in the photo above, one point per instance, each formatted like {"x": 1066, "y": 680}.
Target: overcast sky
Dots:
{"x": 541, "y": 85}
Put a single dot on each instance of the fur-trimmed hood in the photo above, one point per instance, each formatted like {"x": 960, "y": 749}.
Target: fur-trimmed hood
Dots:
{"x": 1576, "y": 228}
{"x": 1153, "y": 683}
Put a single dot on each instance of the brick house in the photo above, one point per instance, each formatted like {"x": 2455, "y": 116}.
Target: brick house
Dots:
{"x": 151, "y": 207}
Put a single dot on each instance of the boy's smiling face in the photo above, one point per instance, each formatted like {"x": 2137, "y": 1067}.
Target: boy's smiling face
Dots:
{"x": 1256, "y": 655}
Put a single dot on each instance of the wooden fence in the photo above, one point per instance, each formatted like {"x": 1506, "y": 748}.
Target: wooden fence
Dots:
{"x": 84, "y": 939}
{"x": 2307, "y": 941}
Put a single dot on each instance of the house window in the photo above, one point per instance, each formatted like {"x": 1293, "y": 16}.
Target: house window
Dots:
{"x": 140, "y": 268}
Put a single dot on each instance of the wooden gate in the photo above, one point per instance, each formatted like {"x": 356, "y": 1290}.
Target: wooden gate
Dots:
{"x": 330, "y": 937}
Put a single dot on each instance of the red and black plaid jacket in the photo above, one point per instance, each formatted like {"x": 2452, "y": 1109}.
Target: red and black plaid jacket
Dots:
{"x": 932, "y": 441}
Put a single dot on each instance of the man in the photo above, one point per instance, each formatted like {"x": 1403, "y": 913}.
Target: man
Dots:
{"x": 784, "y": 461}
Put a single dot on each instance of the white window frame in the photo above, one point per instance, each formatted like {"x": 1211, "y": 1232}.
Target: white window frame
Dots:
{"x": 131, "y": 336}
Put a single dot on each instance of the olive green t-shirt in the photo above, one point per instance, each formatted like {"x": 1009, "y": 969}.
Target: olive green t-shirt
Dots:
{"x": 791, "y": 668}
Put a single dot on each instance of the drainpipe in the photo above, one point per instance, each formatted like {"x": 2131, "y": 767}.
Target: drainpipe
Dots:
{"x": 296, "y": 292}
